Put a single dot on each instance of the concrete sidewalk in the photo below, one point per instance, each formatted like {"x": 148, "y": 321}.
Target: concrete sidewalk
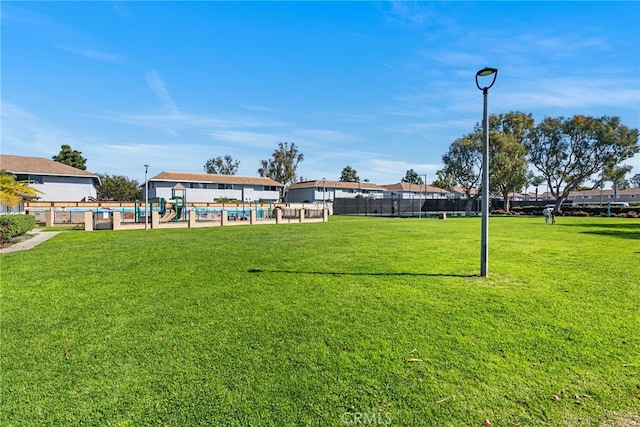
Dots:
{"x": 37, "y": 238}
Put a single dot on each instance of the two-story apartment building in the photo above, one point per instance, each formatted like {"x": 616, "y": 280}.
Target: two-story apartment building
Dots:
{"x": 55, "y": 181}
{"x": 319, "y": 190}
{"x": 407, "y": 191}
{"x": 601, "y": 197}
{"x": 205, "y": 187}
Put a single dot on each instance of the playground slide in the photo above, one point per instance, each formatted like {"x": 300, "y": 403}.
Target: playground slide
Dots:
{"x": 168, "y": 216}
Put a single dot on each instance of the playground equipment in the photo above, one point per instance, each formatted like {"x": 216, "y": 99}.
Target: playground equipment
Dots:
{"x": 176, "y": 208}
{"x": 179, "y": 197}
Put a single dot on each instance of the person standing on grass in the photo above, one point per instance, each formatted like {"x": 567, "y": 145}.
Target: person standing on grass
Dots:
{"x": 553, "y": 217}
{"x": 545, "y": 212}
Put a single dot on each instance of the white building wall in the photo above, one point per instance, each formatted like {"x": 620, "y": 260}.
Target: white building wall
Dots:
{"x": 344, "y": 194}
{"x": 316, "y": 194}
{"x": 195, "y": 195}
{"x": 408, "y": 195}
{"x": 65, "y": 188}
{"x": 299, "y": 195}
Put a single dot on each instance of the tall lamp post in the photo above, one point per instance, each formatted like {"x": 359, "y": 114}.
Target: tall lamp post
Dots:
{"x": 425, "y": 195}
{"x": 484, "y": 245}
{"x": 324, "y": 197}
{"x": 146, "y": 198}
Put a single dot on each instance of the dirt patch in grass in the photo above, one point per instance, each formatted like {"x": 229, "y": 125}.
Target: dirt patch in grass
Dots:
{"x": 624, "y": 420}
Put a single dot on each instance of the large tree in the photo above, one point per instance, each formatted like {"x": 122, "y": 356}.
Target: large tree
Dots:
{"x": 507, "y": 153}
{"x": 412, "y": 177}
{"x": 463, "y": 166}
{"x": 349, "y": 175}
{"x": 463, "y": 161}
{"x": 118, "y": 188}
{"x": 12, "y": 192}
{"x": 568, "y": 152}
{"x": 443, "y": 180}
{"x": 514, "y": 123}
{"x": 70, "y": 157}
{"x": 222, "y": 165}
{"x": 283, "y": 163}
{"x": 507, "y": 165}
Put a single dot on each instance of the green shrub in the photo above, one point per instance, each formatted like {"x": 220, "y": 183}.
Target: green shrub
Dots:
{"x": 12, "y": 226}
{"x": 579, "y": 213}
{"x": 527, "y": 210}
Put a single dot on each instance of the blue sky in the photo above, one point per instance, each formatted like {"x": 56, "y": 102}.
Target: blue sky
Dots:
{"x": 380, "y": 86}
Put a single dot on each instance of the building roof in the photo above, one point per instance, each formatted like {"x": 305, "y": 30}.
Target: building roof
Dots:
{"x": 596, "y": 192}
{"x": 337, "y": 184}
{"x": 40, "y": 166}
{"x": 418, "y": 188}
{"x": 400, "y": 186}
{"x": 461, "y": 190}
{"x": 214, "y": 178}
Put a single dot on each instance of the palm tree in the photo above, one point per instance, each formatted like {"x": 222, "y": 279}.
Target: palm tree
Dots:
{"x": 616, "y": 175}
{"x": 536, "y": 181}
{"x": 12, "y": 192}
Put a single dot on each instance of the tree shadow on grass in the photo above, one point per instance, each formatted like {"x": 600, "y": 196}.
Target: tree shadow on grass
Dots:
{"x": 343, "y": 273}
{"x": 623, "y": 231}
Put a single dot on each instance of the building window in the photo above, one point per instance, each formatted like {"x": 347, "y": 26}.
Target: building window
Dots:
{"x": 33, "y": 179}
{"x": 225, "y": 186}
{"x": 197, "y": 185}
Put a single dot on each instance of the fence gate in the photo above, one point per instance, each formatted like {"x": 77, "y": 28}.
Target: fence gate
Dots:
{"x": 102, "y": 221}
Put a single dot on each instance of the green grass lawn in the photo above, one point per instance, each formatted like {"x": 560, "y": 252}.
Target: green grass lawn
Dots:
{"x": 356, "y": 321}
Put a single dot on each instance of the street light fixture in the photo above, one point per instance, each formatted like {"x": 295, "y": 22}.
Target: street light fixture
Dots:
{"x": 146, "y": 198}
{"x": 484, "y": 245}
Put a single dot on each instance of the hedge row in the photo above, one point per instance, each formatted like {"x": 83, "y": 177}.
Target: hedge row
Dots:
{"x": 12, "y": 226}
{"x": 619, "y": 211}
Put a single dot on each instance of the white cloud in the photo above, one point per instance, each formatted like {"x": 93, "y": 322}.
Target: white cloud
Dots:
{"x": 259, "y": 108}
{"x": 240, "y": 137}
{"x": 321, "y": 136}
{"x": 35, "y": 23}
{"x": 26, "y": 134}
{"x": 413, "y": 13}
{"x": 377, "y": 170}
{"x": 92, "y": 54}
{"x": 575, "y": 93}
{"x": 208, "y": 124}
{"x": 157, "y": 86}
